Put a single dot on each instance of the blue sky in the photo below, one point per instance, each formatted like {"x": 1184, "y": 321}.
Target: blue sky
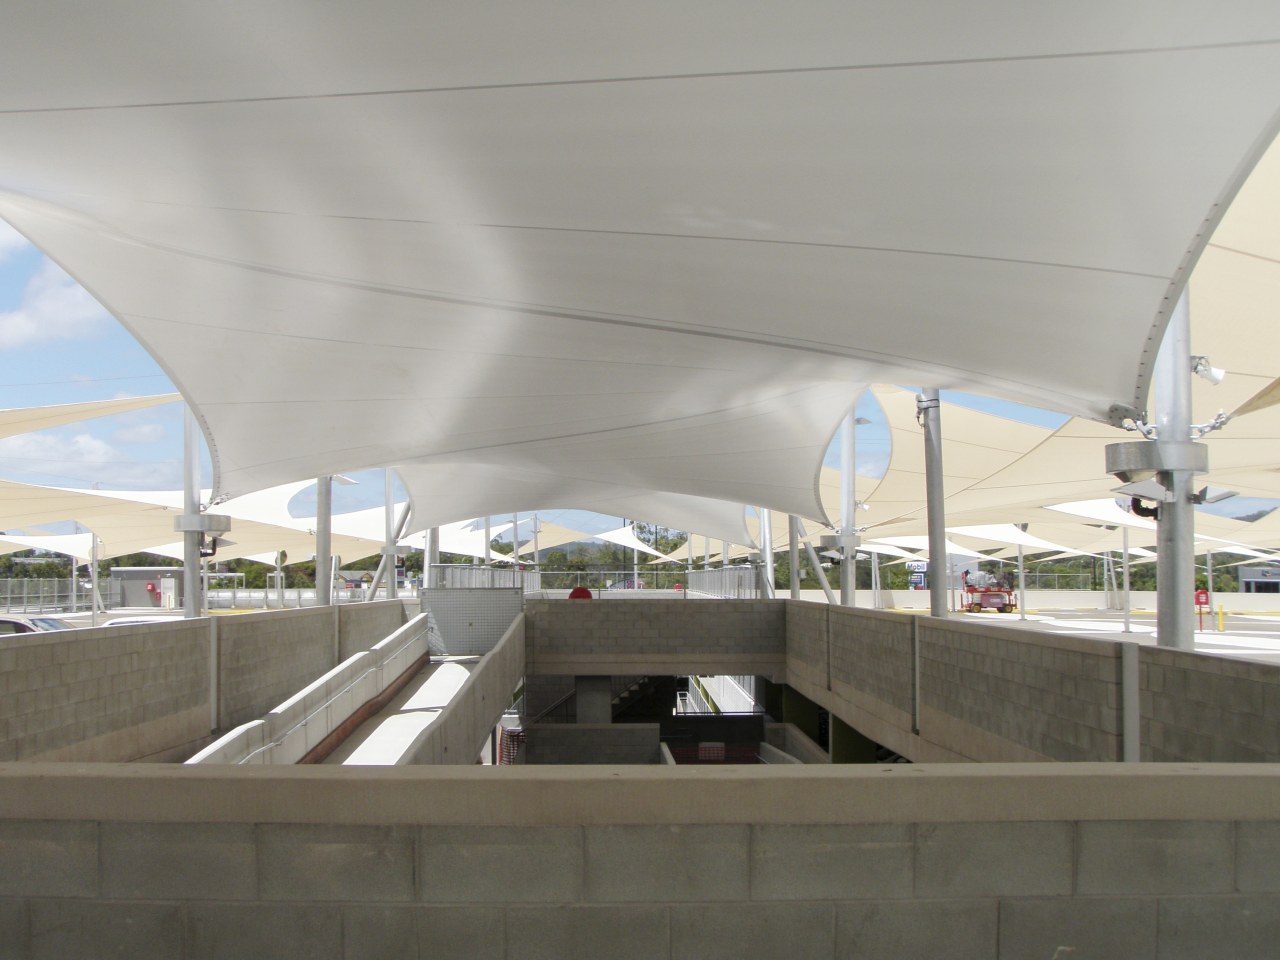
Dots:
{"x": 61, "y": 346}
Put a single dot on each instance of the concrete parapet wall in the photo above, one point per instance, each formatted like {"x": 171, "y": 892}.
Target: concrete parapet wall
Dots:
{"x": 999, "y": 693}
{"x": 303, "y": 722}
{"x": 264, "y": 658}
{"x": 1208, "y": 708}
{"x": 361, "y": 625}
{"x": 993, "y": 861}
{"x": 592, "y": 743}
{"x": 637, "y": 636}
{"x": 107, "y": 693}
{"x": 1002, "y": 694}
{"x": 143, "y": 691}
{"x": 463, "y": 726}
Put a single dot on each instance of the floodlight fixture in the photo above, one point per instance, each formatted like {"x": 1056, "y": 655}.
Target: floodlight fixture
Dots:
{"x": 1201, "y": 368}
{"x": 1213, "y": 495}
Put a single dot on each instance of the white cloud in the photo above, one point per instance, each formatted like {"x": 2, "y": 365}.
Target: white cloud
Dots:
{"x": 11, "y": 241}
{"x": 80, "y": 459}
{"x": 139, "y": 433}
{"x": 54, "y": 307}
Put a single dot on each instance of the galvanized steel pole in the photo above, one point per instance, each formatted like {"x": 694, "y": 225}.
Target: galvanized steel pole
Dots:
{"x": 1124, "y": 534}
{"x": 927, "y": 407}
{"x": 388, "y": 495}
{"x": 848, "y": 507}
{"x": 1175, "y": 542}
{"x": 793, "y": 553}
{"x": 766, "y": 551}
{"x": 324, "y": 541}
{"x": 191, "y": 582}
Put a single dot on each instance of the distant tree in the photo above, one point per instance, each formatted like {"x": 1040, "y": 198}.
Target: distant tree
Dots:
{"x": 142, "y": 560}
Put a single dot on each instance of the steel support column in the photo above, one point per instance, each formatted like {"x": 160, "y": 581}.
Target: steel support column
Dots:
{"x": 848, "y": 507}
{"x": 817, "y": 569}
{"x": 766, "y": 552}
{"x": 1124, "y": 535}
{"x": 192, "y": 601}
{"x": 94, "y": 601}
{"x": 930, "y": 414}
{"x": 435, "y": 576}
{"x": 1175, "y": 542}
{"x": 793, "y": 553}
{"x": 388, "y": 495}
{"x": 324, "y": 541}
{"x": 1022, "y": 586}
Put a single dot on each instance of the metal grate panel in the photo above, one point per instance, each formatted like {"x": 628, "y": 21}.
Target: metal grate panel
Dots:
{"x": 472, "y": 621}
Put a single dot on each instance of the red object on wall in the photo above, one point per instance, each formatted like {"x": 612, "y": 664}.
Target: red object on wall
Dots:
{"x": 580, "y": 593}
{"x": 151, "y": 588}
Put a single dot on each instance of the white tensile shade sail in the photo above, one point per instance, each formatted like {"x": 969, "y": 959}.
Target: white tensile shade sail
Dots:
{"x": 654, "y": 251}
{"x": 549, "y": 535}
{"x": 626, "y": 537}
{"x": 30, "y": 419}
{"x": 134, "y": 521}
{"x": 79, "y": 546}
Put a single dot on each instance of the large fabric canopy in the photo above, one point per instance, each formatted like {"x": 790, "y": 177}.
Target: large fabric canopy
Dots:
{"x": 653, "y": 246}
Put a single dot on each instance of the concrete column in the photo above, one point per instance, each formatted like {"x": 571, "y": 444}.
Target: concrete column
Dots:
{"x": 594, "y": 699}
{"x": 929, "y": 411}
{"x": 1130, "y": 704}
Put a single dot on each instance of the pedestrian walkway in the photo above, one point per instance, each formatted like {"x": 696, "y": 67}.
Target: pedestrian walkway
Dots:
{"x": 388, "y": 737}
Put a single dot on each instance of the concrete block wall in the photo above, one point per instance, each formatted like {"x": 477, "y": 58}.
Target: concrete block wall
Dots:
{"x": 996, "y": 693}
{"x": 815, "y": 863}
{"x": 265, "y": 658}
{"x": 993, "y": 693}
{"x": 1205, "y": 708}
{"x": 463, "y": 727}
{"x": 637, "y": 636}
{"x": 361, "y": 625}
{"x": 591, "y": 743}
{"x": 808, "y": 645}
{"x": 107, "y": 693}
{"x": 871, "y": 652}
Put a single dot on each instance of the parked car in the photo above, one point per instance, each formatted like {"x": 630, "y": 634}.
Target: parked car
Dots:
{"x": 10, "y": 624}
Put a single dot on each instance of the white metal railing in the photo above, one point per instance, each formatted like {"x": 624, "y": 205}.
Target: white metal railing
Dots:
{"x": 44, "y": 595}
{"x": 289, "y": 598}
{"x": 301, "y": 723}
{"x": 732, "y": 583}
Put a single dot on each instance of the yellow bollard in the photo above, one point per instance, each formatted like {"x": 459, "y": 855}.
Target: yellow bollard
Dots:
{"x": 1221, "y": 615}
